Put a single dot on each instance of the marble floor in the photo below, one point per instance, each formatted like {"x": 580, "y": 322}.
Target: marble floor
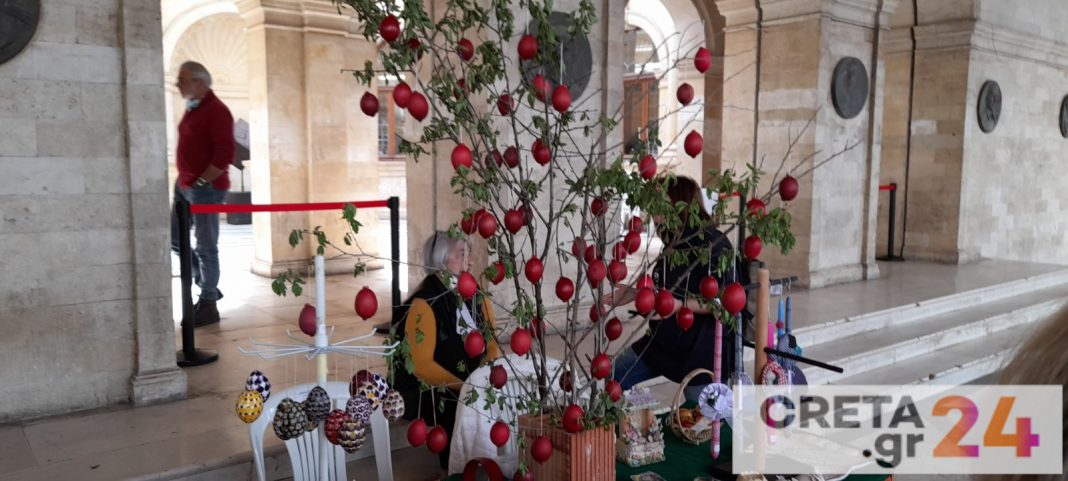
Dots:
{"x": 181, "y": 439}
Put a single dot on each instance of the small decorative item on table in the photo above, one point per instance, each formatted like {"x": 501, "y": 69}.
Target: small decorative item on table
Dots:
{"x": 689, "y": 424}
{"x": 641, "y": 435}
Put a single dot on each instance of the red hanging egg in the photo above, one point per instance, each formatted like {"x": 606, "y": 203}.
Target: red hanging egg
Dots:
{"x": 596, "y": 271}
{"x": 598, "y": 206}
{"x": 474, "y": 344}
{"x": 617, "y": 271}
{"x": 752, "y": 247}
{"x": 614, "y": 390}
{"x": 467, "y": 224}
{"x": 572, "y": 420}
{"x": 402, "y": 93}
{"x": 416, "y": 46}
{"x": 369, "y": 104}
{"x": 537, "y": 328}
{"x": 647, "y": 167}
{"x": 534, "y": 269}
{"x": 514, "y": 220}
{"x": 756, "y": 207}
{"x": 306, "y": 321}
{"x": 565, "y": 289}
{"x": 613, "y": 329}
{"x": 511, "y": 157}
{"x": 505, "y": 104}
{"x": 499, "y": 272}
{"x": 541, "y": 449}
{"x": 527, "y": 476}
{"x": 665, "y": 303}
{"x": 596, "y": 311}
{"x": 646, "y": 282}
{"x": 709, "y": 287}
{"x": 645, "y": 301}
{"x": 601, "y": 367}
{"x": 541, "y": 87}
{"x": 487, "y": 225}
{"x": 461, "y": 156}
{"x": 591, "y": 254}
{"x": 466, "y": 285}
{"x": 466, "y": 49}
{"x": 684, "y": 319}
{"x": 497, "y": 158}
{"x": 389, "y": 28}
{"x": 542, "y": 153}
{"x": 436, "y": 439}
{"x": 366, "y": 303}
{"x": 565, "y": 381}
{"x": 418, "y": 107}
{"x": 734, "y": 298}
{"x": 499, "y": 433}
{"x": 578, "y": 245}
{"x": 498, "y": 376}
{"x": 702, "y": 60}
{"x": 520, "y": 341}
{"x": 528, "y": 47}
{"x": 788, "y": 188}
{"x": 561, "y": 98}
{"x": 619, "y": 251}
{"x": 417, "y": 432}
{"x": 684, "y": 94}
{"x": 632, "y": 241}
{"x": 636, "y": 224}
{"x": 693, "y": 143}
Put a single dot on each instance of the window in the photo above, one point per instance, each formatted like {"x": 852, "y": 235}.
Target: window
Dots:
{"x": 391, "y": 120}
{"x": 641, "y": 98}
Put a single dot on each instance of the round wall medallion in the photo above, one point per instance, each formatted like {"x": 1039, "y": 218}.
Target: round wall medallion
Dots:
{"x": 578, "y": 57}
{"x": 989, "y": 108}
{"x": 1064, "y": 117}
{"x": 849, "y": 87}
{"x": 18, "y": 22}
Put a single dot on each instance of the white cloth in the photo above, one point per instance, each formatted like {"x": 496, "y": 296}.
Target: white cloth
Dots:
{"x": 471, "y": 433}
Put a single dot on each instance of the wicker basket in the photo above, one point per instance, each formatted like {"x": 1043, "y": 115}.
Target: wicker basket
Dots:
{"x": 688, "y": 434}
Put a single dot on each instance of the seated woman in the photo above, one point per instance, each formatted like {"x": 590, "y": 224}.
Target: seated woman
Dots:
{"x": 434, "y": 323}
{"x": 666, "y": 350}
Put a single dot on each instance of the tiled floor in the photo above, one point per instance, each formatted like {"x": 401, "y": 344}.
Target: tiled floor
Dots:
{"x": 186, "y": 436}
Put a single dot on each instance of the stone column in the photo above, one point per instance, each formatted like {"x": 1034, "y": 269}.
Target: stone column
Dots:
{"x": 157, "y": 377}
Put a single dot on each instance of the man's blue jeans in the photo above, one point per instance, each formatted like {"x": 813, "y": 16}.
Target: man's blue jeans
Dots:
{"x": 206, "y": 232}
{"x": 630, "y": 370}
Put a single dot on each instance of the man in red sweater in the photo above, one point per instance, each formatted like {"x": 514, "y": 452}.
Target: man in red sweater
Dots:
{"x": 205, "y": 152}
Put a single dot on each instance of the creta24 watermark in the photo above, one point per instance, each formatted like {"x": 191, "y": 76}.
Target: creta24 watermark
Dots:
{"x": 898, "y": 429}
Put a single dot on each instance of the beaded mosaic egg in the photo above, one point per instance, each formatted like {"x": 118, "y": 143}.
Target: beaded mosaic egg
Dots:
{"x": 381, "y": 385}
{"x": 359, "y": 408}
{"x": 369, "y": 391}
{"x": 317, "y": 405}
{"x": 249, "y": 406}
{"x": 333, "y": 424}
{"x": 360, "y": 377}
{"x": 258, "y": 382}
{"x": 290, "y": 421}
{"x": 393, "y": 405}
{"x": 351, "y": 434}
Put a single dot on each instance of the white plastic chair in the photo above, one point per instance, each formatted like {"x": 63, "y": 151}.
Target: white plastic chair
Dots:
{"x": 304, "y": 450}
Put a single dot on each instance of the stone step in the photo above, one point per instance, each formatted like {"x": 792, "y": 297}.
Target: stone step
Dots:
{"x": 958, "y": 364}
{"x": 873, "y": 350}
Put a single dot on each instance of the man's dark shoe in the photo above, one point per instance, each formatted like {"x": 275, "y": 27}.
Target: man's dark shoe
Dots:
{"x": 205, "y": 313}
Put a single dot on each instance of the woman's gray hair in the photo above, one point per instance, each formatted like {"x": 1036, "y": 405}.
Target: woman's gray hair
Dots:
{"x": 198, "y": 71}
{"x": 436, "y": 251}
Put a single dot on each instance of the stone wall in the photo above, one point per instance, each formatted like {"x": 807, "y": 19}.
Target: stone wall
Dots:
{"x": 84, "y": 226}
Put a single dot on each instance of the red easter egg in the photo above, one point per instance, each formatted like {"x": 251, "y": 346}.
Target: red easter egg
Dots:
{"x": 369, "y": 104}
{"x": 788, "y": 188}
{"x": 613, "y": 328}
{"x": 527, "y": 476}
{"x": 306, "y": 321}
{"x": 414, "y": 44}
{"x": 572, "y": 420}
{"x": 632, "y": 241}
{"x": 466, "y": 49}
{"x": 542, "y": 153}
{"x": 591, "y": 254}
{"x": 619, "y": 251}
{"x": 709, "y": 287}
{"x": 461, "y": 156}
{"x": 418, "y": 106}
{"x": 645, "y": 301}
{"x": 497, "y": 158}
{"x": 596, "y": 312}
{"x": 474, "y": 344}
{"x": 436, "y": 439}
{"x": 534, "y": 269}
{"x": 366, "y": 303}
{"x": 756, "y": 207}
{"x": 734, "y": 298}
{"x": 511, "y": 157}
{"x": 702, "y": 60}
{"x": 467, "y": 224}
{"x": 499, "y": 433}
{"x": 598, "y": 206}
{"x": 684, "y": 94}
{"x": 684, "y": 319}
{"x": 636, "y": 224}
{"x": 499, "y": 272}
{"x": 561, "y": 98}
{"x": 752, "y": 247}
{"x": 565, "y": 288}
{"x": 614, "y": 390}
{"x": 402, "y": 93}
{"x": 487, "y": 225}
{"x": 565, "y": 381}
{"x": 596, "y": 271}
{"x": 417, "y": 432}
{"x": 617, "y": 271}
{"x": 514, "y": 220}
{"x": 665, "y": 303}
{"x": 528, "y": 47}
{"x": 498, "y": 376}
{"x": 537, "y": 328}
{"x": 647, "y": 167}
{"x": 505, "y": 104}
{"x": 466, "y": 285}
{"x": 541, "y": 87}
{"x": 601, "y": 367}
{"x": 693, "y": 143}
{"x": 578, "y": 245}
{"x": 646, "y": 282}
{"x": 521, "y": 341}
{"x": 389, "y": 28}
{"x": 541, "y": 449}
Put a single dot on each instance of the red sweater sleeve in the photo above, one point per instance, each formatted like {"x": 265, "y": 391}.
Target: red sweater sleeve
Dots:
{"x": 222, "y": 139}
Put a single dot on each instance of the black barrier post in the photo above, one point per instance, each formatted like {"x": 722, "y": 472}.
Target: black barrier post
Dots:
{"x": 394, "y": 252}
{"x": 890, "y": 230}
{"x": 189, "y": 356}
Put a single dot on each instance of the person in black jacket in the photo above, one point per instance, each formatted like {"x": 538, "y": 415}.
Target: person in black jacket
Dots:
{"x": 666, "y": 350}
{"x": 434, "y": 323}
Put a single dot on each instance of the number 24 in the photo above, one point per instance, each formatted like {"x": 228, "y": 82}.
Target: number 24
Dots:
{"x": 994, "y": 436}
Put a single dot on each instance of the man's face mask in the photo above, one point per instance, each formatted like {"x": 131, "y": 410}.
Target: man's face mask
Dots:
{"x": 191, "y": 104}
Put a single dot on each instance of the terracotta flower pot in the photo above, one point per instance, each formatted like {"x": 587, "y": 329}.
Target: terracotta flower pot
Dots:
{"x": 584, "y": 456}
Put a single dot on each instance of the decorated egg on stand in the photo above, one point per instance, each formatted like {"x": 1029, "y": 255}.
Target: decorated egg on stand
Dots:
{"x": 290, "y": 421}
{"x": 351, "y": 434}
{"x": 250, "y": 405}
{"x": 258, "y": 382}
{"x": 380, "y": 384}
{"x": 369, "y": 391}
{"x": 359, "y": 408}
{"x": 332, "y": 425}
{"x": 317, "y": 406}
{"x": 393, "y": 405}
